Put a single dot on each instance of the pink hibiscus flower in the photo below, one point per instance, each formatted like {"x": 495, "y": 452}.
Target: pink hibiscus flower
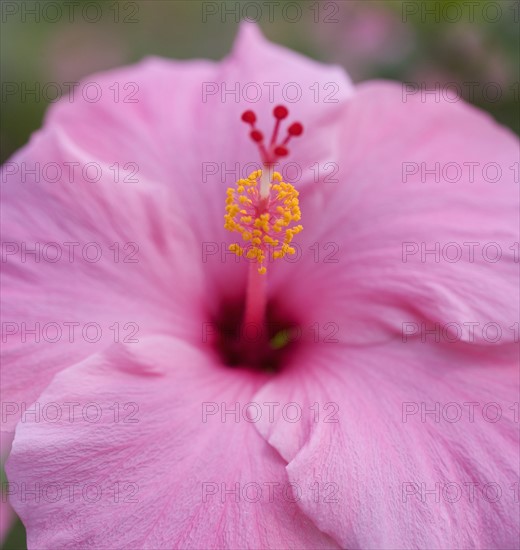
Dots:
{"x": 143, "y": 420}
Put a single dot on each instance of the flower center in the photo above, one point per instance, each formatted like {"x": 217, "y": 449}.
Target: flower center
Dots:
{"x": 263, "y": 209}
{"x": 266, "y": 348}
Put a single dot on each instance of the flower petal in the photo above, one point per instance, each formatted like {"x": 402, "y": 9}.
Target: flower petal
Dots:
{"x": 406, "y": 445}
{"x": 84, "y": 265}
{"x": 381, "y": 247}
{"x": 160, "y": 469}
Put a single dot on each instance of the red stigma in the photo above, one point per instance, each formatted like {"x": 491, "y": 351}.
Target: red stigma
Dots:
{"x": 257, "y": 136}
{"x": 295, "y": 129}
{"x": 274, "y": 150}
{"x": 280, "y": 112}
{"x": 249, "y": 117}
{"x": 281, "y": 151}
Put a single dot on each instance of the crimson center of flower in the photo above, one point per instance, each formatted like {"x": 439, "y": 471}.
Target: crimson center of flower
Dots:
{"x": 263, "y": 209}
{"x": 266, "y": 348}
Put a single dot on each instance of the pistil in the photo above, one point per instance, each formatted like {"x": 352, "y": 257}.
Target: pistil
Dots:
{"x": 262, "y": 209}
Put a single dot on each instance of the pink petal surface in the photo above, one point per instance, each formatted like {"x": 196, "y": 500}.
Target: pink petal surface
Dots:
{"x": 62, "y": 299}
{"x": 354, "y": 268}
{"x": 161, "y": 454}
{"x": 367, "y": 442}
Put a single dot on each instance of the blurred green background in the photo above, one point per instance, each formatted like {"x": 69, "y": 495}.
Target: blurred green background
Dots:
{"x": 424, "y": 42}
{"x": 429, "y": 43}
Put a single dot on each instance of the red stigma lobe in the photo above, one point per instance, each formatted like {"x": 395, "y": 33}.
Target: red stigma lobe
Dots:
{"x": 275, "y": 150}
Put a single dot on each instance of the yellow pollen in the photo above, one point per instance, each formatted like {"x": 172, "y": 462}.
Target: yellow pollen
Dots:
{"x": 265, "y": 224}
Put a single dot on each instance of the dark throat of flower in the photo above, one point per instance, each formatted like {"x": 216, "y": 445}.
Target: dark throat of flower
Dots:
{"x": 263, "y": 209}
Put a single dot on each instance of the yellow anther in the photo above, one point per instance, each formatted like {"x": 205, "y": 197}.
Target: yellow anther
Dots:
{"x": 269, "y": 240}
{"x": 238, "y": 250}
{"x": 259, "y": 220}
